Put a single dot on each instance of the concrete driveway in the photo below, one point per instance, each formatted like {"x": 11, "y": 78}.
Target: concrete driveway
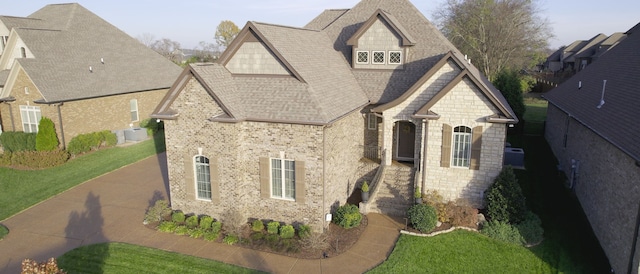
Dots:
{"x": 111, "y": 208}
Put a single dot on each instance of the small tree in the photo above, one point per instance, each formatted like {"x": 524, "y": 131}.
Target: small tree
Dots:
{"x": 510, "y": 84}
{"x": 226, "y": 32}
{"x": 46, "y": 139}
{"x": 504, "y": 198}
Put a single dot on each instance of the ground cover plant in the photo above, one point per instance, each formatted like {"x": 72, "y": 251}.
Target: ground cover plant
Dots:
{"x": 126, "y": 258}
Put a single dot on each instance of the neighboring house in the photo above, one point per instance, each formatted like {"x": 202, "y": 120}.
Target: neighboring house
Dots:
{"x": 279, "y": 127}
{"x": 579, "y": 54}
{"x": 584, "y": 56}
{"x": 65, "y": 63}
{"x": 592, "y": 128}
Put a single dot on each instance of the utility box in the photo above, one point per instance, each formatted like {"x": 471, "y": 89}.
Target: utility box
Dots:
{"x": 119, "y": 136}
{"x": 514, "y": 157}
{"x": 135, "y": 134}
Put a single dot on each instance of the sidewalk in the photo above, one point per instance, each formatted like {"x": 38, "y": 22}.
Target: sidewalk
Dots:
{"x": 111, "y": 209}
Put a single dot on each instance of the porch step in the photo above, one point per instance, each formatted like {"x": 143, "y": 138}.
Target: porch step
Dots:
{"x": 395, "y": 194}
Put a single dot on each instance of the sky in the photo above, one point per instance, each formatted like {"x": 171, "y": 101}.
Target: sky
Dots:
{"x": 192, "y": 21}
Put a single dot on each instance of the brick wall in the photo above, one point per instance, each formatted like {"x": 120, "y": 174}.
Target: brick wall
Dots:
{"x": 606, "y": 184}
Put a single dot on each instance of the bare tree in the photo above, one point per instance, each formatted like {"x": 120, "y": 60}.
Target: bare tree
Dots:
{"x": 206, "y": 52}
{"x": 169, "y": 49}
{"x": 226, "y": 32}
{"x": 146, "y": 39}
{"x": 497, "y": 34}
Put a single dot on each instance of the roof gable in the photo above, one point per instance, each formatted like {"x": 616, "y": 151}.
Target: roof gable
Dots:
{"x": 390, "y": 20}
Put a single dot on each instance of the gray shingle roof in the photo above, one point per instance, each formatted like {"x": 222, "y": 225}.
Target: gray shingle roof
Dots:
{"x": 617, "y": 120}
{"x": 592, "y": 45}
{"x": 69, "y": 39}
{"x": 325, "y": 19}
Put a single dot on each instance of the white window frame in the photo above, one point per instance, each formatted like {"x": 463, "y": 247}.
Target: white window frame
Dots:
{"x": 133, "y": 109}
{"x": 278, "y": 176}
{"x": 389, "y": 58}
{"x": 461, "y": 147}
{"x": 33, "y": 115}
{"x": 202, "y": 178}
{"x": 372, "y": 121}
{"x": 358, "y": 57}
{"x": 373, "y": 57}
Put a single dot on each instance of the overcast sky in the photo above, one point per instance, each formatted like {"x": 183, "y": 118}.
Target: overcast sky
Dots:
{"x": 192, "y": 21}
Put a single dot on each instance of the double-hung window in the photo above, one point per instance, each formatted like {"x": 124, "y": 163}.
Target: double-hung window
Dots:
{"x": 203, "y": 177}
{"x": 461, "y": 152}
{"x": 372, "y": 121}
{"x": 133, "y": 105}
{"x": 283, "y": 179}
{"x": 30, "y": 118}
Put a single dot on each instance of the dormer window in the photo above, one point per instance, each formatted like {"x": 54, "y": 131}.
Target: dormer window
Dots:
{"x": 363, "y": 57}
{"x": 395, "y": 57}
{"x": 378, "y": 57}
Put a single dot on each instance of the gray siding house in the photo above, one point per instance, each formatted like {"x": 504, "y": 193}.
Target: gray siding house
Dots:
{"x": 290, "y": 121}
{"x": 592, "y": 128}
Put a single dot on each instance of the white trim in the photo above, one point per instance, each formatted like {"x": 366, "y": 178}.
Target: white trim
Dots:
{"x": 283, "y": 170}
{"x": 373, "y": 57}
{"x": 132, "y": 103}
{"x": 35, "y": 110}
{"x": 195, "y": 177}
{"x": 358, "y": 55}
{"x": 389, "y": 58}
{"x": 453, "y": 146}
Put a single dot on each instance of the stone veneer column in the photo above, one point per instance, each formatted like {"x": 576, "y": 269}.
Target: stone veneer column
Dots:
{"x": 387, "y": 140}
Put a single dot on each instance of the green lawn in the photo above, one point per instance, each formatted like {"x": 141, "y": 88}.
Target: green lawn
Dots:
{"x": 126, "y": 258}
{"x": 22, "y": 189}
{"x": 535, "y": 115}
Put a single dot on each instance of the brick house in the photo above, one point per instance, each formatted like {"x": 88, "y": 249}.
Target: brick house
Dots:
{"x": 66, "y": 63}
{"x": 282, "y": 125}
{"x": 592, "y": 129}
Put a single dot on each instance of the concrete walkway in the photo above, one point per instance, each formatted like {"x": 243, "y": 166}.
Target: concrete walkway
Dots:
{"x": 111, "y": 209}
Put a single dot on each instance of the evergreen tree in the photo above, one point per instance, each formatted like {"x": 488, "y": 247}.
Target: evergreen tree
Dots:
{"x": 46, "y": 139}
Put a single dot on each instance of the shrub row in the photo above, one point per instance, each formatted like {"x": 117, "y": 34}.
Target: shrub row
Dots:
{"x": 14, "y": 141}
{"x": 91, "y": 141}
{"x": 193, "y": 226}
{"x": 34, "y": 159}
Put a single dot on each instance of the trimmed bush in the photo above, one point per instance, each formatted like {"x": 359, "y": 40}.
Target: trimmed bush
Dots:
{"x": 216, "y": 227}
{"x": 211, "y": 236}
{"x": 304, "y": 231}
{"x": 178, "y": 217}
{"x": 423, "y": 217}
{"x": 14, "y": 141}
{"x": 287, "y": 232}
{"x": 504, "y": 198}
{"x": 167, "y": 226}
{"x": 91, "y": 141}
{"x": 192, "y": 222}
{"x": 434, "y": 199}
{"x": 531, "y": 229}
{"x": 205, "y": 222}
{"x": 272, "y": 227}
{"x": 108, "y": 138}
{"x": 157, "y": 212}
{"x": 196, "y": 233}
{"x": 46, "y": 138}
{"x": 502, "y": 231}
{"x": 230, "y": 239}
{"x": 257, "y": 226}
{"x": 347, "y": 216}
{"x": 37, "y": 159}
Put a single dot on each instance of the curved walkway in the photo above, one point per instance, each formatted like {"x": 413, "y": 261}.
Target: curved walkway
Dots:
{"x": 111, "y": 208}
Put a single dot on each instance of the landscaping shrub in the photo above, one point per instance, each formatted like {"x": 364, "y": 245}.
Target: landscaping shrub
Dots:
{"x": 423, "y": 217}
{"x": 167, "y": 226}
{"x": 257, "y": 226}
{"x": 531, "y": 229}
{"x": 91, "y": 141}
{"x": 272, "y": 227}
{"x": 38, "y": 159}
{"x": 503, "y": 232}
{"x": 5, "y": 159}
{"x": 211, "y": 236}
{"x": 14, "y": 141}
{"x": 158, "y": 212}
{"x": 315, "y": 241}
{"x": 196, "y": 233}
{"x": 205, "y": 222}
{"x": 434, "y": 199}
{"x": 304, "y": 231}
{"x": 181, "y": 230}
{"x": 287, "y": 232}
{"x": 46, "y": 138}
{"x": 151, "y": 125}
{"x": 347, "y": 216}
{"x": 108, "y": 138}
{"x": 504, "y": 198}
{"x": 49, "y": 267}
{"x": 178, "y": 217}
{"x": 462, "y": 215}
{"x": 216, "y": 227}
{"x": 230, "y": 239}
{"x": 192, "y": 222}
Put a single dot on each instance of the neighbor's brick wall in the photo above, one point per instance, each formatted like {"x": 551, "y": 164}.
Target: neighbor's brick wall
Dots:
{"x": 107, "y": 113}
{"x": 606, "y": 186}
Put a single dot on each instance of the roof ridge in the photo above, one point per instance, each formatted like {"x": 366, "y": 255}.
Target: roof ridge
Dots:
{"x": 283, "y": 26}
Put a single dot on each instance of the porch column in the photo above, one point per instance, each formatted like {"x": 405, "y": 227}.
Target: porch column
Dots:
{"x": 425, "y": 148}
{"x": 387, "y": 140}
{"x": 421, "y": 155}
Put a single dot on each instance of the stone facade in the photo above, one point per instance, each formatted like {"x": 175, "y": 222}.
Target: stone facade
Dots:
{"x": 464, "y": 105}
{"x": 266, "y": 62}
{"x": 82, "y": 116}
{"x": 330, "y": 155}
{"x": 604, "y": 179}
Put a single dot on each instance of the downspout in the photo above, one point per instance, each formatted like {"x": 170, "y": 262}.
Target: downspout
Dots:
{"x": 425, "y": 143}
{"x": 64, "y": 144}
{"x": 324, "y": 168}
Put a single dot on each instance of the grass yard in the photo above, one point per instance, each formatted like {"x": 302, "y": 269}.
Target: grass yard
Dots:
{"x": 22, "y": 189}
{"x": 535, "y": 115}
{"x": 126, "y": 258}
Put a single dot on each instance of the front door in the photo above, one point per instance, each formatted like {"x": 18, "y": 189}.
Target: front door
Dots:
{"x": 406, "y": 141}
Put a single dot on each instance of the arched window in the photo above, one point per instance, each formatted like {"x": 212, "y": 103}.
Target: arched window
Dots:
{"x": 203, "y": 177}
{"x": 461, "y": 152}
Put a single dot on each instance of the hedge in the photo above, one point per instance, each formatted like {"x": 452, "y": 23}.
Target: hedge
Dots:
{"x": 34, "y": 159}
{"x": 14, "y": 141}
